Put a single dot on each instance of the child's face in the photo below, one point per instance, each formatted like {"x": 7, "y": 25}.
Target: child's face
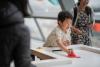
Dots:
{"x": 66, "y": 24}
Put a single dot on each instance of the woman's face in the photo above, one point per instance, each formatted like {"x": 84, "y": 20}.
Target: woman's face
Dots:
{"x": 84, "y": 2}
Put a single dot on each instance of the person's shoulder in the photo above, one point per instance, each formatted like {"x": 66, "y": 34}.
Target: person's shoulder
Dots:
{"x": 88, "y": 8}
{"x": 57, "y": 28}
{"x": 54, "y": 30}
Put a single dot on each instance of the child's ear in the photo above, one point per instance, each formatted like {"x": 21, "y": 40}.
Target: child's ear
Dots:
{"x": 59, "y": 22}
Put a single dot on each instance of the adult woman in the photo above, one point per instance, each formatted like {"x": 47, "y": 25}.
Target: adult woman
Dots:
{"x": 83, "y": 18}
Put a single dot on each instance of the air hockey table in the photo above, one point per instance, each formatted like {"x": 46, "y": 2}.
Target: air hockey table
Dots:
{"x": 54, "y": 57}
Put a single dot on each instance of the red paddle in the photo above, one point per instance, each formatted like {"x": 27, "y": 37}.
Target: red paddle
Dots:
{"x": 72, "y": 54}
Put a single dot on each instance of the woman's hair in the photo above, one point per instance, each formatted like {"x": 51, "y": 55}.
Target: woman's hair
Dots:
{"x": 78, "y": 2}
{"x": 64, "y": 15}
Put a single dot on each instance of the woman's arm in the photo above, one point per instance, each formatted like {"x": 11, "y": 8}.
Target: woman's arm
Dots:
{"x": 75, "y": 30}
{"x": 92, "y": 16}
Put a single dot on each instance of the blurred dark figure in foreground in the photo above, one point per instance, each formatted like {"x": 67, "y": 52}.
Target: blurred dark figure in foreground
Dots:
{"x": 14, "y": 35}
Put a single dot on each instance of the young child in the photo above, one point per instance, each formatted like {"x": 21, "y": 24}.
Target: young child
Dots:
{"x": 60, "y": 36}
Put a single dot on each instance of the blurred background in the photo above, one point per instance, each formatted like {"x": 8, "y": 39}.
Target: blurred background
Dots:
{"x": 43, "y": 19}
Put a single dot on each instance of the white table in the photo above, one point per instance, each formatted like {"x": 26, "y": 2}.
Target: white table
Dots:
{"x": 89, "y": 57}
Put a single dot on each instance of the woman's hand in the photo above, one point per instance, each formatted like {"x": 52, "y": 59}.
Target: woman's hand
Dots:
{"x": 91, "y": 26}
{"x": 77, "y": 31}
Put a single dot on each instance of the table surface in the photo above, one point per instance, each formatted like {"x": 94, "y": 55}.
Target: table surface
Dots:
{"x": 87, "y": 58}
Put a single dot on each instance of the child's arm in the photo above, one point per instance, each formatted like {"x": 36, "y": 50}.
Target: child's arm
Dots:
{"x": 62, "y": 46}
{"x": 77, "y": 31}
{"x": 67, "y": 43}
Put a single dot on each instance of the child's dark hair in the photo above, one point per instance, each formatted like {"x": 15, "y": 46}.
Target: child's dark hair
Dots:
{"x": 64, "y": 15}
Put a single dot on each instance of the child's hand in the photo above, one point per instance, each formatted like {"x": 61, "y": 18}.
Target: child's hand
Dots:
{"x": 69, "y": 51}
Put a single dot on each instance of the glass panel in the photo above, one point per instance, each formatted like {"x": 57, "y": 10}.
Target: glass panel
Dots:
{"x": 96, "y": 39}
{"x": 34, "y": 31}
{"x": 68, "y": 4}
{"x": 45, "y": 8}
{"x": 76, "y": 1}
{"x": 47, "y": 25}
